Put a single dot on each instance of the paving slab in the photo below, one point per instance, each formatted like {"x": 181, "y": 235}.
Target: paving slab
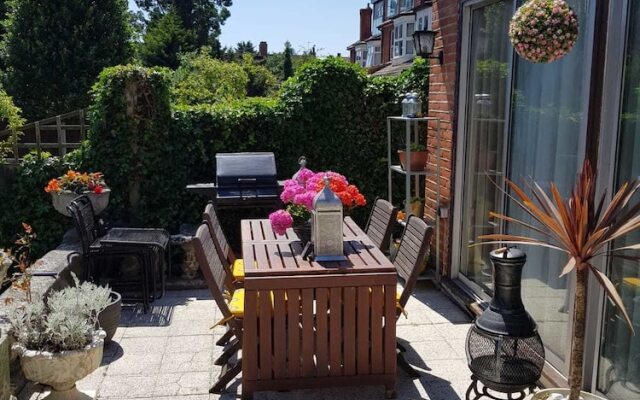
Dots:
{"x": 169, "y": 354}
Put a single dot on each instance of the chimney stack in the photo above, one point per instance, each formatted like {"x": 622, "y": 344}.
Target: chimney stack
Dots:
{"x": 263, "y": 49}
{"x": 365, "y": 22}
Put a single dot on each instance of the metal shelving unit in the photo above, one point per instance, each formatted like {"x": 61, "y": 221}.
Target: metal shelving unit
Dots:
{"x": 412, "y": 136}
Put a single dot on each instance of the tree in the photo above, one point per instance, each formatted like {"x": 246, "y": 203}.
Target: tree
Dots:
{"x": 203, "y": 18}
{"x": 245, "y": 47}
{"x": 164, "y": 41}
{"x": 261, "y": 81}
{"x": 287, "y": 66}
{"x": 56, "y": 49}
{"x": 202, "y": 79}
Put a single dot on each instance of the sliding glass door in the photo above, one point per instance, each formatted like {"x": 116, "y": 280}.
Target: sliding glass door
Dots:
{"x": 619, "y": 361}
{"x": 522, "y": 121}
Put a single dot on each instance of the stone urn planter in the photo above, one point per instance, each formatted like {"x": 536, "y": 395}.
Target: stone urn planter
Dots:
{"x": 109, "y": 318}
{"x": 5, "y": 264}
{"x": 62, "y": 370}
{"x": 560, "y": 394}
{"x": 63, "y": 199}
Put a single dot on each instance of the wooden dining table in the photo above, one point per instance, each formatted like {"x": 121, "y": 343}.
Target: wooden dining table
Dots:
{"x": 316, "y": 325}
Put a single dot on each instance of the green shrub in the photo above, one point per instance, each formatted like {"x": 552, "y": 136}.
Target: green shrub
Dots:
{"x": 202, "y": 79}
{"x": 262, "y": 82}
{"x": 24, "y": 200}
{"x": 10, "y": 118}
{"x": 131, "y": 143}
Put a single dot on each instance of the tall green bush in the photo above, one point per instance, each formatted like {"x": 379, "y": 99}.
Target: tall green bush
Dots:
{"x": 131, "y": 142}
{"x": 56, "y": 49}
{"x": 24, "y": 200}
{"x": 202, "y": 79}
{"x": 11, "y": 119}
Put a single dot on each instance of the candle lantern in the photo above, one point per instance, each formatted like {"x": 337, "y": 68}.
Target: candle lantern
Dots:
{"x": 327, "y": 225}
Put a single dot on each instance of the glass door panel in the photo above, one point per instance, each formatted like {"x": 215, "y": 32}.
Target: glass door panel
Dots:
{"x": 488, "y": 89}
{"x": 548, "y": 110}
{"x": 619, "y": 366}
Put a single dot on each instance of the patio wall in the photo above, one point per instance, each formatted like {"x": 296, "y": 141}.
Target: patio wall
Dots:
{"x": 442, "y": 104}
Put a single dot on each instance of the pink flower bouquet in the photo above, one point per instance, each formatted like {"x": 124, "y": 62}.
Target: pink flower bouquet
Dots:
{"x": 299, "y": 192}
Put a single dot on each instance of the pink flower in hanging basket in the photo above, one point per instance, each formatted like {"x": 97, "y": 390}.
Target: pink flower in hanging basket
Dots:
{"x": 543, "y": 31}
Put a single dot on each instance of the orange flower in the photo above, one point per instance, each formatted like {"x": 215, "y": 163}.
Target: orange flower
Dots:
{"x": 52, "y": 186}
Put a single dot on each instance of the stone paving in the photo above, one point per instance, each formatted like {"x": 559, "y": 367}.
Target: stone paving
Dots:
{"x": 169, "y": 353}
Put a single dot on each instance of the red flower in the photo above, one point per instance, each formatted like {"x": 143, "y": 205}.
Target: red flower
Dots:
{"x": 98, "y": 189}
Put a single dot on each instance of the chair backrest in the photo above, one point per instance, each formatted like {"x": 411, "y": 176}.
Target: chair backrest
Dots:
{"x": 380, "y": 224}
{"x": 412, "y": 254}
{"x": 210, "y": 217}
{"x": 84, "y": 219}
{"x": 214, "y": 273}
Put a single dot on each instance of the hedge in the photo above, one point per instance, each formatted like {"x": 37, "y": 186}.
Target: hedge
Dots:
{"x": 149, "y": 149}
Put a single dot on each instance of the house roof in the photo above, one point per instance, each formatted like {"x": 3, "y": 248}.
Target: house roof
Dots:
{"x": 390, "y": 69}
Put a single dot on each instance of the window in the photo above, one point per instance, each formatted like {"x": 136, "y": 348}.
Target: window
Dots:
{"x": 423, "y": 20}
{"x": 378, "y": 16}
{"x": 392, "y": 8}
{"x": 406, "y": 5}
{"x": 361, "y": 57}
{"x": 374, "y": 54}
{"x": 619, "y": 361}
{"x": 398, "y": 38}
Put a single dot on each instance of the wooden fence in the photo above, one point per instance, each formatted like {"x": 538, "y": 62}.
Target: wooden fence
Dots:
{"x": 56, "y": 135}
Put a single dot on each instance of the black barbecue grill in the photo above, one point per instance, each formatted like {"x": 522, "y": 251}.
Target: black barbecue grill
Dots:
{"x": 243, "y": 180}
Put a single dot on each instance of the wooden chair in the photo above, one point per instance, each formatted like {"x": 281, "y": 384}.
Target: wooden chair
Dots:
{"x": 380, "y": 224}
{"x": 409, "y": 260}
{"x": 232, "y": 310}
{"x": 234, "y": 266}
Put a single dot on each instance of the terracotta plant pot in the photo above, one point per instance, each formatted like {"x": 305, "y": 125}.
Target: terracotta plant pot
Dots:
{"x": 418, "y": 160}
{"x": 62, "y": 200}
{"x": 417, "y": 208}
{"x": 109, "y": 318}
{"x": 560, "y": 394}
{"x": 62, "y": 370}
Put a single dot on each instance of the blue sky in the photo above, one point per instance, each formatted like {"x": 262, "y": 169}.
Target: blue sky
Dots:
{"x": 330, "y": 25}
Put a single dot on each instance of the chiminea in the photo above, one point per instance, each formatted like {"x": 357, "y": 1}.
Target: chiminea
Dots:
{"x": 504, "y": 350}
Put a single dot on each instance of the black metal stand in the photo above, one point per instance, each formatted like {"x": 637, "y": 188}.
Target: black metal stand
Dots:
{"x": 480, "y": 390}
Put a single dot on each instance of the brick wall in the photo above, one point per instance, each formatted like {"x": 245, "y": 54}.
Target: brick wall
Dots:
{"x": 442, "y": 104}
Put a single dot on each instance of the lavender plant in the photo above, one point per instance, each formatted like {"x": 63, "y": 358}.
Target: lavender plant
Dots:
{"x": 68, "y": 320}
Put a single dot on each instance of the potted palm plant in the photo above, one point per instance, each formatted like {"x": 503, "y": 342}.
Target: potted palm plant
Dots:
{"x": 584, "y": 229}
{"x": 60, "y": 341}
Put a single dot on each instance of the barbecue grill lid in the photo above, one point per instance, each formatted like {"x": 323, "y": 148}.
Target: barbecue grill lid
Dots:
{"x": 247, "y": 169}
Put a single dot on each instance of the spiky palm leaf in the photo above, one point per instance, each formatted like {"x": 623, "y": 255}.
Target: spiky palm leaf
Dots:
{"x": 576, "y": 225}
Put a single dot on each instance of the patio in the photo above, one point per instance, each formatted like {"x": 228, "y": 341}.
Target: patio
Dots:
{"x": 169, "y": 353}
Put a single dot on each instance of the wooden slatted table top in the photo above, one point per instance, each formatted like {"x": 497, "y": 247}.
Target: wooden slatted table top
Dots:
{"x": 267, "y": 254}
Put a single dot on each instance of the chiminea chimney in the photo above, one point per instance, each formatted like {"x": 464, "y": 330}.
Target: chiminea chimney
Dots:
{"x": 263, "y": 49}
{"x": 365, "y": 22}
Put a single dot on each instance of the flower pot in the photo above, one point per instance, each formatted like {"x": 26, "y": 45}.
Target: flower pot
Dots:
{"x": 418, "y": 160}
{"x": 109, "y": 318}
{"x": 303, "y": 231}
{"x": 417, "y": 208}
{"x": 61, "y": 370}
{"x": 560, "y": 394}
{"x": 63, "y": 199}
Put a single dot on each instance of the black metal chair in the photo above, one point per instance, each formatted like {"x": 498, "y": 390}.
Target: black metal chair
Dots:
{"x": 148, "y": 246}
{"x": 380, "y": 224}
{"x": 409, "y": 260}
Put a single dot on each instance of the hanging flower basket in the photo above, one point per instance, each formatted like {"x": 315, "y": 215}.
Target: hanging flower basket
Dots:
{"x": 543, "y": 31}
